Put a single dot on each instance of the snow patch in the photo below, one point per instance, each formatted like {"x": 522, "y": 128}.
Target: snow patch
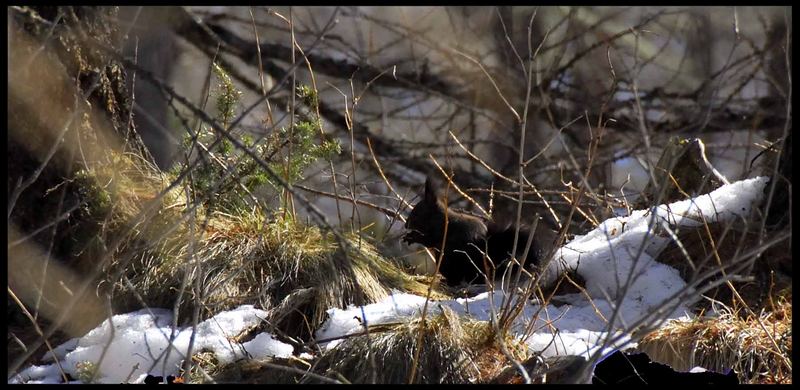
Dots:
{"x": 144, "y": 342}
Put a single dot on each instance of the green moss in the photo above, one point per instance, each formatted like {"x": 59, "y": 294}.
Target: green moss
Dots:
{"x": 86, "y": 371}
{"x": 227, "y": 175}
{"x": 228, "y": 96}
{"x": 309, "y": 96}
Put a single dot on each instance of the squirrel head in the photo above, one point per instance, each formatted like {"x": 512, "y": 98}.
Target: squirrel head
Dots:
{"x": 425, "y": 223}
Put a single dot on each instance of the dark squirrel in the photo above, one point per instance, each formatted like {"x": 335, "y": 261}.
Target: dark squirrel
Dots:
{"x": 468, "y": 238}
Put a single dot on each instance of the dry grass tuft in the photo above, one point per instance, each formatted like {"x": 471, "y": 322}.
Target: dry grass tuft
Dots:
{"x": 453, "y": 350}
{"x": 757, "y": 347}
{"x": 294, "y": 270}
{"x": 217, "y": 261}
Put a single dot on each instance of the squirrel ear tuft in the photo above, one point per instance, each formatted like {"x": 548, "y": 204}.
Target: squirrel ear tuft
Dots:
{"x": 430, "y": 191}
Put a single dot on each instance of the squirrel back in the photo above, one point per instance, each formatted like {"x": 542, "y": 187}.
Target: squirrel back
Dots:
{"x": 468, "y": 238}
